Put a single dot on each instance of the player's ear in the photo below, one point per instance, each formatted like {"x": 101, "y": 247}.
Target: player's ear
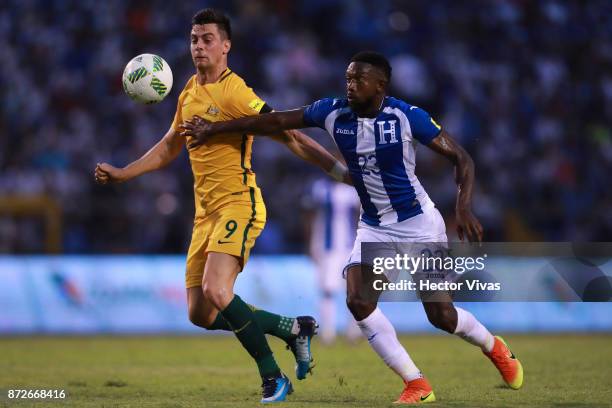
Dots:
{"x": 227, "y": 45}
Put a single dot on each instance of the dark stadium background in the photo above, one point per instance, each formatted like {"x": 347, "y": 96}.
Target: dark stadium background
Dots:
{"x": 526, "y": 86}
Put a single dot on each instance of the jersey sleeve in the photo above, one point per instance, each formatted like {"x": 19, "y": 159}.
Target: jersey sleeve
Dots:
{"x": 423, "y": 127}
{"x": 178, "y": 115}
{"x": 244, "y": 101}
{"x": 316, "y": 113}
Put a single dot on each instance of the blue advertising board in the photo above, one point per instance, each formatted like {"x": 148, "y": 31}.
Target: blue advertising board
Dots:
{"x": 146, "y": 294}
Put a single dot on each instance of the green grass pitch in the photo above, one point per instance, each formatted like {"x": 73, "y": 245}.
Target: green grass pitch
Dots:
{"x": 213, "y": 371}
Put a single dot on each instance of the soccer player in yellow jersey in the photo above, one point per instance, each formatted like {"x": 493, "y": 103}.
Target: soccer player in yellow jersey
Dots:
{"x": 230, "y": 212}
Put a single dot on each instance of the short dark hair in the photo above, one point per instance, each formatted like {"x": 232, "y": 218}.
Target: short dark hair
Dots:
{"x": 212, "y": 16}
{"x": 376, "y": 59}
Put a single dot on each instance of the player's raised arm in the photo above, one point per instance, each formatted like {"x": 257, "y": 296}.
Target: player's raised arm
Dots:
{"x": 266, "y": 124}
{"x": 467, "y": 223}
{"x": 165, "y": 151}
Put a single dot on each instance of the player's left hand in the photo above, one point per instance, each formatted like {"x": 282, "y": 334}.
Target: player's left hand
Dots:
{"x": 198, "y": 128}
{"x": 468, "y": 226}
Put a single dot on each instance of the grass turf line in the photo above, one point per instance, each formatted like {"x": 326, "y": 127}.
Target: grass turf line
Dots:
{"x": 213, "y": 371}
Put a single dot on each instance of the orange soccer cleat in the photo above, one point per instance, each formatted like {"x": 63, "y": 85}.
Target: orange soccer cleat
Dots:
{"x": 508, "y": 365}
{"x": 416, "y": 392}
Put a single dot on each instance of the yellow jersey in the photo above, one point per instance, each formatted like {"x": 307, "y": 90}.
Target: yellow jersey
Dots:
{"x": 222, "y": 166}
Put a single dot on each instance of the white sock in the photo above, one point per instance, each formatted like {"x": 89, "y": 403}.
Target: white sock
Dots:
{"x": 383, "y": 339}
{"x": 352, "y": 332}
{"x": 328, "y": 319}
{"x": 472, "y": 331}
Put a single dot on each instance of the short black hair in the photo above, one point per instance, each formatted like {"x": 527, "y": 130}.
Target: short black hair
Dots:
{"x": 213, "y": 16}
{"x": 376, "y": 59}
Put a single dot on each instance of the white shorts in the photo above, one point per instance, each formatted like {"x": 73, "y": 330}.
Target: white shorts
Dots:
{"x": 426, "y": 227}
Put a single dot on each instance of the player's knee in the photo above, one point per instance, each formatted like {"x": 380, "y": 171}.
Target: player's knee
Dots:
{"x": 360, "y": 308}
{"x": 218, "y": 295}
{"x": 443, "y": 318}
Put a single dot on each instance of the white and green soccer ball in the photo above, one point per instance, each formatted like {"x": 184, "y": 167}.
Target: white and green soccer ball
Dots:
{"x": 147, "y": 78}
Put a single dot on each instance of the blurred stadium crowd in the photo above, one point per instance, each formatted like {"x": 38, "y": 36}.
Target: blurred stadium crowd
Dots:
{"x": 526, "y": 86}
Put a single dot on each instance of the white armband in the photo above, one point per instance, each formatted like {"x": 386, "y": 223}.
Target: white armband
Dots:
{"x": 338, "y": 171}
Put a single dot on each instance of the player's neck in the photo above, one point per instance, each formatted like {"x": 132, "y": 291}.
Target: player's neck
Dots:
{"x": 372, "y": 110}
{"x": 211, "y": 75}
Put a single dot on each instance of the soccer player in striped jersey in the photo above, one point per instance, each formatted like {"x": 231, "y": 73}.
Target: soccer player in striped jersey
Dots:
{"x": 230, "y": 212}
{"x": 377, "y": 135}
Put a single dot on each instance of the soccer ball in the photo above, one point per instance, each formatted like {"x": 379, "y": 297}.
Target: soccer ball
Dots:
{"x": 147, "y": 78}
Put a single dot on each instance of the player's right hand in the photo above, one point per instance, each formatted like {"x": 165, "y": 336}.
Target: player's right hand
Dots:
{"x": 468, "y": 225}
{"x": 105, "y": 173}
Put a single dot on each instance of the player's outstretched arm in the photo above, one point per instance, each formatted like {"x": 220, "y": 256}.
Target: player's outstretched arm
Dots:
{"x": 264, "y": 124}
{"x": 278, "y": 125}
{"x": 309, "y": 150}
{"x": 165, "y": 151}
{"x": 467, "y": 224}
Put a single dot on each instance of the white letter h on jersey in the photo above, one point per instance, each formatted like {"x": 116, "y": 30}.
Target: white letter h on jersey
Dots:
{"x": 383, "y": 132}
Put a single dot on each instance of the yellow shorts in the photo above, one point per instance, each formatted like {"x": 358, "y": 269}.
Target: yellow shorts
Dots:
{"x": 231, "y": 229}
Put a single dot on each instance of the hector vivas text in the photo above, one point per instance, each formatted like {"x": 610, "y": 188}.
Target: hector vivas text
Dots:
{"x": 432, "y": 272}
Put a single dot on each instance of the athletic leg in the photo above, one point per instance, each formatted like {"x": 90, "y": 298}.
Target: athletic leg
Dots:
{"x": 455, "y": 320}
{"x": 362, "y": 302}
{"x": 202, "y": 313}
{"x": 218, "y": 287}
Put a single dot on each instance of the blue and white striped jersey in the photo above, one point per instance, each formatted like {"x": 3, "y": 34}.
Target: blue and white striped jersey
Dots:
{"x": 380, "y": 154}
